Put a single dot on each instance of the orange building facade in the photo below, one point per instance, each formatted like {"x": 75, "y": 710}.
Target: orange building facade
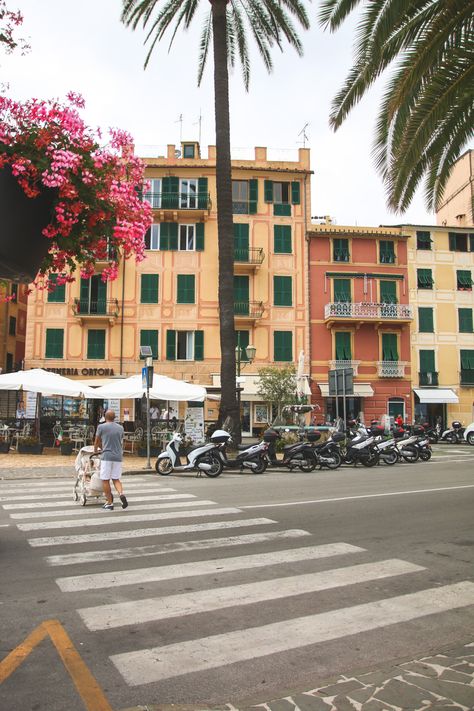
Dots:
{"x": 360, "y": 319}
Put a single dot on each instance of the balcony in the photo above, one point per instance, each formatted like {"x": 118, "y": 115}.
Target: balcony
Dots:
{"x": 102, "y": 310}
{"x": 188, "y": 203}
{"x": 467, "y": 378}
{"x": 390, "y": 369}
{"x": 248, "y": 310}
{"x": 428, "y": 378}
{"x": 337, "y": 364}
{"x": 248, "y": 259}
{"x": 367, "y": 312}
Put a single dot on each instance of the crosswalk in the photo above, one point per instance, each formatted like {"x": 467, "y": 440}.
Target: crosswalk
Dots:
{"x": 176, "y": 540}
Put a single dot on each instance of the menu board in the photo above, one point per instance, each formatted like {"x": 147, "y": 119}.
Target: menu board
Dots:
{"x": 114, "y": 405}
{"x": 30, "y": 405}
{"x": 194, "y": 424}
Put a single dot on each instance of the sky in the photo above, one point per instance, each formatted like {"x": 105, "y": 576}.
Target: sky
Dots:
{"x": 83, "y": 47}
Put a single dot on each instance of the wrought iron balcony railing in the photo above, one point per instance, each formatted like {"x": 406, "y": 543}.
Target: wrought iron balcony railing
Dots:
{"x": 178, "y": 201}
{"x": 390, "y": 369}
{"x": 368, "y": 311}
{"x": 249, "y": 255}
{"x": 103, "y": 307}
{"x": 336, "y": 364}
{"x": 428, "y": 378}
{"x": 248, "y": 309}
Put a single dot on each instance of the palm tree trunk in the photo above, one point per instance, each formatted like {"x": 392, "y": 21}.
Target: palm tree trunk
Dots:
{"x": 225, "y": 230}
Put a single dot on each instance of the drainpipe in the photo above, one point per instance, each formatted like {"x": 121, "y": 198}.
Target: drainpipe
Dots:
{"x": 308, "y": 279}
{"x": 122, "y": 317}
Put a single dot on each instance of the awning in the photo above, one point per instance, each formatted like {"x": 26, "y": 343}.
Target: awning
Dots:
{"x": 360, "y": 390}
{"x": 436, "y": 395}
{"x": 250, "y": 385}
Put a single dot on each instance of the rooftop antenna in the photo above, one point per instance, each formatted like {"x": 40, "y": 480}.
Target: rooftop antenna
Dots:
{"x": 199, "y": 122}
{"x": 180, "y": 121}
{"x": 303, "y": 133}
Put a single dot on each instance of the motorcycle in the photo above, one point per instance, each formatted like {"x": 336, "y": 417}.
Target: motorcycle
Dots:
{"x": 249, "y": 457}
{"x": 202, "y": 458}
{"x": 406, "y": 446}
{"x": 433, "y": 433}
{"x": 328, "y": 453}
{"x": 295, "y": 456}
{"x": 454, "y": 435}
{"x": 362, "y": 448}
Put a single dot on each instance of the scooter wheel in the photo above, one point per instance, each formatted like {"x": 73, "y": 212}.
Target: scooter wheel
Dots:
{"x": 410, "y": 453}
{"x": 216, "y": 467}
{"x": 451, "y": 438}
{"x": 308, "y": 465}
{"x": 333, "y": 460}
{"x": 261, "y": 466}
{"x": 371, "y": 460}
{"x": 390, "y": 459}
{"x": 425, "y": 455}
{"x": 164, "y": 466}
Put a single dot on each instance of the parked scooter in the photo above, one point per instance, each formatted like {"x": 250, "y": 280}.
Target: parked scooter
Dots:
{"x": 202, "y": 458}
{"x": 300, "y": 455}
{"x": 328, "y": 453}
{"x": 249, "y": 457}
{"x": 454, "y": 435}
{"x": 361, "y": 447}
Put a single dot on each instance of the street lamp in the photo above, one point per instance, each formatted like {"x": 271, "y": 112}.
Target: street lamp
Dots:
{"x": 250, "y": 352}
{"x": 147, "y": 381}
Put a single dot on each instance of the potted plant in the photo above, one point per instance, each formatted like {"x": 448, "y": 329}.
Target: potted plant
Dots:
{"x": 66, "y": 446}
{"x": 66, "y": 200}
{"x": 30, "y": 445}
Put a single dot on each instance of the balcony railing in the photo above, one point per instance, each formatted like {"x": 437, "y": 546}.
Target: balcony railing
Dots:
{"x": 428, "y": 378}
{"x": 390, "y": 369}
{"x": 248, "y": 309}
{"x": 241, "y": 207}
{"x": 249, "y": 255}
{"x": 108, "y": 308}
{"x": 368, "y": 311}
{"x": 178, "y": 201}
{"x": 467, "y": 377}
{"x": 338, "y": 364}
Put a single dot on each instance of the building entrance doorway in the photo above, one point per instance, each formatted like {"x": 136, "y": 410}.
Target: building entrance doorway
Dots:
{"x": 246, "y": 423}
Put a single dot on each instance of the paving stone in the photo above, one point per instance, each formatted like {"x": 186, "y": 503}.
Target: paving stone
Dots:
{"x": 466, "y": 667}
{"x": 307, "y": 702}
{"x": 419, "y": 668}
{"x": 460, "y": 693}
{"x": 403, "y": 695}
{"x": 342, "y": 687}
{"x": 375, "y": 705}
{"x": 361, "y": 695}
{"x": 342, "y": 703}
{"x": 281, "y": 705}
{"x": 379, "y": 677}
{"x": 452, "y": 675}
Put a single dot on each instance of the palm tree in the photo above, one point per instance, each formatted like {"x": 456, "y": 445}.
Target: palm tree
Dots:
{"x": 427, "y": 111}
{"x": 225, "y": 27}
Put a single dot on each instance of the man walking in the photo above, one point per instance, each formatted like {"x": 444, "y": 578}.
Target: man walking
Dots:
{"x": 109, "y": 439}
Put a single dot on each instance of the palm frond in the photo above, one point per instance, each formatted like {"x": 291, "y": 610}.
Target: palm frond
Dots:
{"x": 204, "y": 44}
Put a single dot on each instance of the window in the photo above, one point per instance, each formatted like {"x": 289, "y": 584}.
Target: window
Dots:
{"x": 283, "y": 346}
{"x": 241, "y": 295}
{"x": 152, "y": 237}
{"x": 425, "y": 320}
{"x": 240, "y": 197}
{"x": 93, "y": 298}
{"x": 389, "y": 347}
{"x": 188, "y": 190}
{"x": 341, "y": 250}
{"x": 467, "y": 367}
{"x": 282, "y": 291}
{"x": 96, "y": 344}
{"x": 423, "y": 239}
{"x": 184, "y": 345}
{"x": 463, "y": 280}
{"x": 282, "y": 239}
{"x": 14, "y": 291}
{"x": 189, "y": 150}
{"x": 465, "y": 320}
{"x": 424, "y": 279}
{"x": 388, "y": 292}
{"x": 153, "y": 194}
{"x": 242, "y": 338}
{"x": 241, "y": 242}
{"x": 342, "y": 290}
{"x": 54, "y": 343}
{"x": 150, "y": 338}
{"x": 387, "y": 252}
{"x": 279, "y": 193}
{"x": 457, "y": 242}
{"x": 343, "y": 345}
{"x": 168, "y": 235}
{"x": 149, "y": 289}
{"x": 428, "y": 374}
{"x": 186, "y": 238}
{"x": 186, "y": 289}
{"x": 58, "y": 294}
{"x": 12, "y": 326}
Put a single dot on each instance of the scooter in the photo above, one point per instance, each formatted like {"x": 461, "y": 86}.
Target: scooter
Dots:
{"x": 252, "y": 457}
{"x": 203, "y": 458}
{"x": 328, "y": 453}
{"x": 454, "y": 435}
{"x": 295, "y": 456}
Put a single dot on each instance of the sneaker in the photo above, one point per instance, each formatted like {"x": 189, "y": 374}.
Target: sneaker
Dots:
{"x": 124, "y": 501}
{"x": 108, "y": 507}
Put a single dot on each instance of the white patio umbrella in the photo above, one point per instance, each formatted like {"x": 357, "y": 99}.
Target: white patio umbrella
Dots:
{"x": 164, "y": 388}
{"x": 42, "y": 381}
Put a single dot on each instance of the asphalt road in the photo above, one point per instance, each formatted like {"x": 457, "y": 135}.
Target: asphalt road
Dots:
{"x": 235, "y": 590}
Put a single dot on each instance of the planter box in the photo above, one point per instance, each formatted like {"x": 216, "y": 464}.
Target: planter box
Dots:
{"x": 154, "y": 451}
{"x": 4, "y": 447}
{"x": 66, "y": 448}
{"x": 30, "y": 448}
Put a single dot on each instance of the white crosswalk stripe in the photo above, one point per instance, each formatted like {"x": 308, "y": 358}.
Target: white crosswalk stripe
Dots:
{"x": 57, "y": 503}
{"x": 72, "y": 510}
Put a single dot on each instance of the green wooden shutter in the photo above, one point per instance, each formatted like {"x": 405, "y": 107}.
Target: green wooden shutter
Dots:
{"x": 253, "y": 196}
{"x": 465, "y": 320}
{"x": 427, "y": 362}
{"x": 424, "y": 279}
{"x": 343, "y": 345}
{"x": 173, "y": 235}
{"x": 199, "y": 236}
{"x": 150, "y": 338}
{"x": 54, "y": 343}
{"x": 186, "y": 289}
{"x": 203, "y": 194}
{"x": 241, "y": 242}
{"x": 58, "y": 296}
{"x": 342, "y": 290}
{"x": 295, "y": 192}
{"x": 96, "y": 344}
{"x": 471, "y": 241}
{"x": 387, "y": 252}
{"x": 282, "y": 239}
{"x": 170, "y": 194}
{"x": 467, "y": 360}
{"x": 101, "y": 306}
{"x": 464, "y": 279}
{"x": 389, "y": 347}
{"x": 171, "y": 344}
{"x": 425, "y": 319}
{"x": 242, "y": 338}
{"x": 241, "y": 295}
{"x": 84, "y": 297}
{"x": 198, "y": 345}
{"x": 452, "y": 241}
{"x": 149, "y": 289}
{"x": 268, "y": 190}
{"x": 282, "y": 291}
{"x": 388, "y": 292}
{"x": 283, "y": 346}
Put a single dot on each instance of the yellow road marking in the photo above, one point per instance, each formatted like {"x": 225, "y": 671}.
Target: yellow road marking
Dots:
{"x": 85, "y": 683}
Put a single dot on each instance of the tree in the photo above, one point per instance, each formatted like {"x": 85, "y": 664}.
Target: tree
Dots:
{"x": 225, "y": 24}
{"x": 277, "y": 385}
{"x": 426, "y": 114}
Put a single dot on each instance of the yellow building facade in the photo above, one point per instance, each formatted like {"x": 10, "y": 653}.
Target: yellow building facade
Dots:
{"x": 93, "y": 330}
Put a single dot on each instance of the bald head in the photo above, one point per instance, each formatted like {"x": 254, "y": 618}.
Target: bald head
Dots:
{"x": 109, "y": 416}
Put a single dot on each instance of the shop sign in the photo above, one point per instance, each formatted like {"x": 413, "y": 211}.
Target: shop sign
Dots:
{"x": 84, "y": 371}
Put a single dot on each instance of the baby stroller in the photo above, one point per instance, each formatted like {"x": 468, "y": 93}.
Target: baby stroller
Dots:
{"x": 88, "y": 482}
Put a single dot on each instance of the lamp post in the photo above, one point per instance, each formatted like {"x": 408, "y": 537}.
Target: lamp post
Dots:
{"x": 147, "y": 381}
{"x": 250, "y": 352}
